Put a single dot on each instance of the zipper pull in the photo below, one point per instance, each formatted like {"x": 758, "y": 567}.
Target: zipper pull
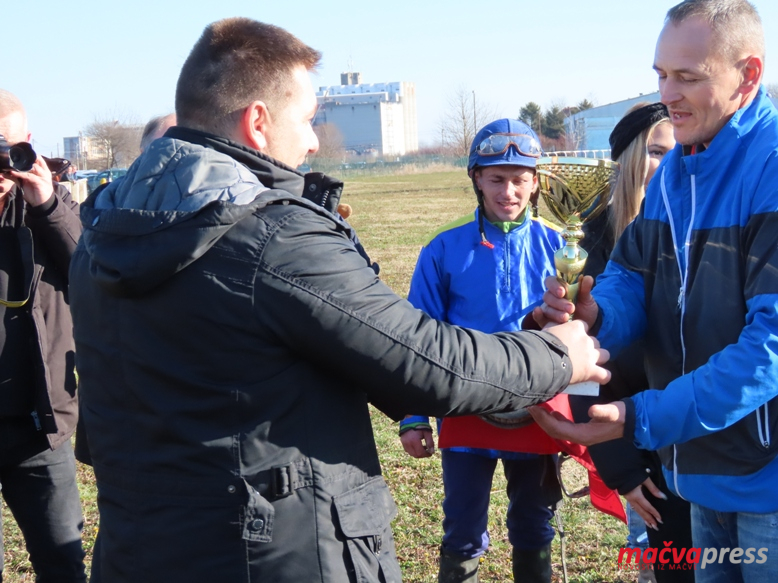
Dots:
{"x": 36, "y": 420}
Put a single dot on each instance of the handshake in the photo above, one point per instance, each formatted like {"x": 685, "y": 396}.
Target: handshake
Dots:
{"x": 554, "y": 316}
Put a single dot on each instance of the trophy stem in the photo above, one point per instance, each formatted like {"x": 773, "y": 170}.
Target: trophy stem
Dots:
{"x": 575, "y": 190}
{"x": 571, "y": 259}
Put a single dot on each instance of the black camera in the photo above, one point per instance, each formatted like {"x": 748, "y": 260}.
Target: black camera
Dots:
{"x": 19, "y": 157}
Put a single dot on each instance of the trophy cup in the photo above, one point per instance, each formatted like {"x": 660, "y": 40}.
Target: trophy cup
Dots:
{"x": 575, "y": 190}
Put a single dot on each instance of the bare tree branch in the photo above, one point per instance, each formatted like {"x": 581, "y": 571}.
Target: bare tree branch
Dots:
{"x": 464, "y": 116}
{"x": 119, "y": 142}
{"x": 330, "y": 142}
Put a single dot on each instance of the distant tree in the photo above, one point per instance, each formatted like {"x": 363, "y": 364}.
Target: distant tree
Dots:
{"x": 583, "y": 105}
{"x": 554, "y": 123}
{"x": 330, "y": 145}
{"x": 464, "y": 116}
{"x": 574, "y": 133}
{"x": 532, "y": 115}
{"x": 118, "y": 143}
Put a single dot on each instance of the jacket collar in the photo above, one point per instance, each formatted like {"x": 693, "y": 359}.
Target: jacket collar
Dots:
{"x": 727, "y": 141}
{"x": 269, "y": 171}
{"x": 319, "y": 188}
{"x": 492, "y": 230}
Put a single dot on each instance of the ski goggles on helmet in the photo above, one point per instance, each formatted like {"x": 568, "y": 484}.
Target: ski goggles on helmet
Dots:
{"x": 497, "y": 144}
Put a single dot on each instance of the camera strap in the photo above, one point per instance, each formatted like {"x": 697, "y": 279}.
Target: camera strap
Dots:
{"x": 26, "y": 252}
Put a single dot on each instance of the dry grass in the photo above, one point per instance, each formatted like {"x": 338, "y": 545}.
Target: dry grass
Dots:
{"x": 394, "y": 215}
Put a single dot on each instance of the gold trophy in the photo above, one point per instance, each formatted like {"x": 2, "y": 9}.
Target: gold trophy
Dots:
{"x": 575, "y": 190}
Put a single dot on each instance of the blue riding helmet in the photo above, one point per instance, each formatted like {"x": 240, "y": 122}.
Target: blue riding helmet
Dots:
{"x": 505, "y": 141}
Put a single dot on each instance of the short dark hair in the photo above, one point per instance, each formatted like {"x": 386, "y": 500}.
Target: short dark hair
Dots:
{"x": 237, "y": 61}
{"x": 735, "y": 24}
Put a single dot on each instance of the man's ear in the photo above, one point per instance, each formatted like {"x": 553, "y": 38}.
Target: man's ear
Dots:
{"x": 752, "y": 71}
{"x": 253, "y": 126}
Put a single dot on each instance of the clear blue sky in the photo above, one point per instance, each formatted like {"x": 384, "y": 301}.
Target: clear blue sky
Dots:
{"x": 72, "y": 62}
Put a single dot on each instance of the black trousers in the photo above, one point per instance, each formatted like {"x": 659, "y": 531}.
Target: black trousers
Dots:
{"x": 39, "y": 488}
{"x": 676, "y": 527}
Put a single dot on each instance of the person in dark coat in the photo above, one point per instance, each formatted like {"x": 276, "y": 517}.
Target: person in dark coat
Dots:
{"x": 230, "y": 335}
{"x": 39, "y": 229}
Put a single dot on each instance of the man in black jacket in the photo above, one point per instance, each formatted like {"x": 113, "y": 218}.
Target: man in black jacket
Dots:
{"x": 39, "y": 229}
{"x": 231, "y": 334}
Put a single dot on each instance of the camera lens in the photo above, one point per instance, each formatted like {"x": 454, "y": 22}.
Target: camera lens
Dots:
{"x": 22, "y": 157}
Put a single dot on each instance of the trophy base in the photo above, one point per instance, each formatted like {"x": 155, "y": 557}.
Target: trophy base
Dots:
{"x": 512, "y": 420}
{"x": 585, "y": 389}
{"x": 522, "y": 418}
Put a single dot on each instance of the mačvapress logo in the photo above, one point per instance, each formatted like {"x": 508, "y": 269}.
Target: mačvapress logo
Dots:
{"x": 686, "y": 559}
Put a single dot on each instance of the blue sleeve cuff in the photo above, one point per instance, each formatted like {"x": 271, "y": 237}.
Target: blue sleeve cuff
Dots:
{"x": 413, "y": 419}
{"x": 415, "y": 422}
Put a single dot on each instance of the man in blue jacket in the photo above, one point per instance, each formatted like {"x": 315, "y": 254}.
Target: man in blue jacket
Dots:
{"x": 486, "y": 271}
{"x": 697, "y": 275}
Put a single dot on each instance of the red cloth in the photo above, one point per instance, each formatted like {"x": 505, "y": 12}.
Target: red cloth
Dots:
{"x": 472, "y": 431}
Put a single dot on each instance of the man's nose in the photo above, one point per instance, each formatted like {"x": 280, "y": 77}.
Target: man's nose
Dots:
{"x": 668, "y": 92}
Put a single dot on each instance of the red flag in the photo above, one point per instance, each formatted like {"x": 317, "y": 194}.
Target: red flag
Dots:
{"x": 472, "y": 431}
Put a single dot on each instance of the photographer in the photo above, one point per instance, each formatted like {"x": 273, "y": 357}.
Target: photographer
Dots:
{"x": 39, "y": 229}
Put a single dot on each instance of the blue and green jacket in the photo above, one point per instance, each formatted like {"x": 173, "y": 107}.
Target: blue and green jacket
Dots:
{"x": 697, "y": 274}
{"x": 461, "y": 281}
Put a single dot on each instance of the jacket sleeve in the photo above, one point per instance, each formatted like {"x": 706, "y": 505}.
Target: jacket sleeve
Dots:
{"x": 56, "y": 225}
{"x": 620, "y": 293}
{"x": 740, "y": 378}
{"x": 428, "y": 290}
{"x": 316, "y": 293}
{"x": 621, "y": 465}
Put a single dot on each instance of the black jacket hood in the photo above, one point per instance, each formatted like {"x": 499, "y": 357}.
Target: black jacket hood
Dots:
{"x": 180, "y": 197}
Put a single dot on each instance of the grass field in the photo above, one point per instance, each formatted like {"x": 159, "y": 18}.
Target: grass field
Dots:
{"x": 394, "y": 215}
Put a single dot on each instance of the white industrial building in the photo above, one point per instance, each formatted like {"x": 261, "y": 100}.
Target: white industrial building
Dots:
{"x": 373, "y": 118}
{"x": 590, "y": 129}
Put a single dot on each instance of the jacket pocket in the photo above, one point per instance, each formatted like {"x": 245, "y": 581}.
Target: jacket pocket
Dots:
{"x": 763, "y": 425}
{"x": 257, "y": 518}
{"x": 365, "y": 515}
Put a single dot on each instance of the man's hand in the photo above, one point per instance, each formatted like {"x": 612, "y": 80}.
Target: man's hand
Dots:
{"x": 418, "y": 443}
{"x": 642, "y": 506}
{"x": 607, "y": 423}
{"x": 36, "y": 184}
{"x": 585, "y": 352}
{"x": 558, "y": 310}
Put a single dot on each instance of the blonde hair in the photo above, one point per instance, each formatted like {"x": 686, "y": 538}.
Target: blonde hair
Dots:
{"x": 630, "y": 188}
